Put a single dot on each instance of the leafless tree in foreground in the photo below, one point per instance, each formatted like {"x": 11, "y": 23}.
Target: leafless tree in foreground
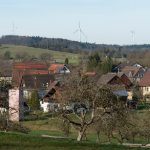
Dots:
{"x": 84, "y": 91}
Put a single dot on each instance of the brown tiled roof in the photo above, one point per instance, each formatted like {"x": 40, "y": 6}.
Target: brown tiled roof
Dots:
{"x": 130, "y": 70}
{"x": 145, "y": 81}
{"x": 120, "y": 74}
{"x": 106, "y": 78}
{"x": 37, "y": 81}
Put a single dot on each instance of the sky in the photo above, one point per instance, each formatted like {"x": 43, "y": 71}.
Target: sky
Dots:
{"x": 102, "y": 21}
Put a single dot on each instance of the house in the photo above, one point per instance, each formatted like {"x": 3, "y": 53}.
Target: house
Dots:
{"x": 6, "y": 76}
{"x": 49, "y": 101}
{"x": 120, "y": 66}
{"x": 145, "y": 85}
{"x": 134, "y": 73}
{"x": 110, "y": 79}
{"x": 30, "y": 68}
{"x": 115, "y": 79}
{"x": 6, "y": 71}
{"x": 125, "y": 80}
{"x": 58, "y": 68}
{"x": 119, "y": 82}
{"x": 39, "y": 82}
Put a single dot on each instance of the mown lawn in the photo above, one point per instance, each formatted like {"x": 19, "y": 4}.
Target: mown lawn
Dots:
{"x": 14, "y": 141}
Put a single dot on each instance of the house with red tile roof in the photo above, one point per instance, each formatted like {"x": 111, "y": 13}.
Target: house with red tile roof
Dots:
{"x": 58, "y": 68}
{"x": 28, "y": 68}
{"x": 145, "y": 84}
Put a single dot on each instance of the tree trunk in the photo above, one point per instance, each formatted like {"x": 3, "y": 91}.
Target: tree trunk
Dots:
{"x": 98, "y": 137}
{"x": 81, "y": 134}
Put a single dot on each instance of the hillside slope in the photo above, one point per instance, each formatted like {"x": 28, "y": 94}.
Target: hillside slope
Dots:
{"x": 36, "y": 52}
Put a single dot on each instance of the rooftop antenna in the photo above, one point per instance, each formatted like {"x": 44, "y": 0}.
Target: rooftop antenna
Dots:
{"x": 133, "y": 36}
{"x": 80, "y": 31}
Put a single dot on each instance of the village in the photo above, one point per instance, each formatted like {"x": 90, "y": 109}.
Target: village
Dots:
{"x": 36, "y": 86}
{"x": 30, "y": 76}
{"x": 81, "y": 99}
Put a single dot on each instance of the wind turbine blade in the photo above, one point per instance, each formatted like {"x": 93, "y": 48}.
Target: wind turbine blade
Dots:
{"x": 83, "y": 34}
{"x": 79, "y": 26}
{"x": 76, "y": 31}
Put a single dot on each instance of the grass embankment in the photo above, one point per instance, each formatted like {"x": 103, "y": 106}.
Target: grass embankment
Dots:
{"x": 12, "y": 141}
{"x": 36, "y": 52}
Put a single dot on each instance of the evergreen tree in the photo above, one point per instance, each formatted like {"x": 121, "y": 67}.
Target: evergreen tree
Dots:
{"x": 7, "y": 55}
{"x": 34, "y": 102}
{"x": 107, "y": 65}
{"x": 66, "y": 61}
{"x": 94, "y": 61}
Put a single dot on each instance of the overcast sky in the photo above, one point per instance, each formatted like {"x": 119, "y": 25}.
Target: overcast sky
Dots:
{"x": 102, "y": 21}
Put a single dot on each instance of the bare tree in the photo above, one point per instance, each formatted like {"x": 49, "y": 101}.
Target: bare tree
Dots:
{"x": 94, "y": 103}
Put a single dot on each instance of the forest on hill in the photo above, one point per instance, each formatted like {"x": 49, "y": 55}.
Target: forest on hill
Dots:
{"x": 59, "y": 44}
{"x": 133, "y": 53}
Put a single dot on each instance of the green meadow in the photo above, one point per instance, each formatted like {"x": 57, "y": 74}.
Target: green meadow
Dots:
{"x": 15, "y": 141}
{"x": 36, "y": 52}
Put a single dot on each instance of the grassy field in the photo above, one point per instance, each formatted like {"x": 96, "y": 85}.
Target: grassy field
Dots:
{"x": 53, "y": 126}
{"x": 15, "y": 141}
{"x": 36, "y": 52}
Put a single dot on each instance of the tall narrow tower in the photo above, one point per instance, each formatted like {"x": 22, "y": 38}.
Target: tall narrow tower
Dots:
{"x": 16, "y": 109}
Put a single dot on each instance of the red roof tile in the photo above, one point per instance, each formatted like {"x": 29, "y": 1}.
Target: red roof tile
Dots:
{"x": 54, "y": 68}
{"x": 34, "y": 72}
{"x": 29, "y": 66}
{"x": 145, "y": 81}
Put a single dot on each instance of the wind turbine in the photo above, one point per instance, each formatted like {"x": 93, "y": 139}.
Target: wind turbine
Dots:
{"x": 133, "y": 36}
{"x": 80, "y": 31}
{"x": 14, "y": 28}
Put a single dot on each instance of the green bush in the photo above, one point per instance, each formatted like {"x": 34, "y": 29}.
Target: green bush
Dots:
{"x": 143, "y": 106}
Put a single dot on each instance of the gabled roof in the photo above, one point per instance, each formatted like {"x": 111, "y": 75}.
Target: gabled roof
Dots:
{"x": 120, "y": 66}
{"x": 58, "y": 68}
{"x": 106, "y": 78}
{"x": 145, "y": 81}
{"x": 131, "y": 71}
{"x": 37, "y": 81}
{"x": 120, "y": 74}
{"x": 52, "y": 89}
{"x": 55, "y": 67}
